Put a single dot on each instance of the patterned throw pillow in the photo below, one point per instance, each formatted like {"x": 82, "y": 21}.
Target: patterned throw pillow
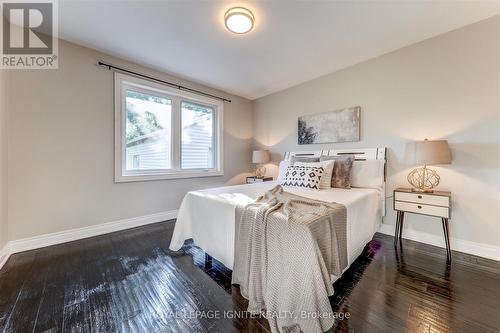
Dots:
{"x": 303, "y": 176}
{"x": 326, "y": 179}
{"x": 342, "y": 170}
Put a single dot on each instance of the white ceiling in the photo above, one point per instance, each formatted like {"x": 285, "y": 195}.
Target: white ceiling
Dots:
{"x": 292, "y": 42}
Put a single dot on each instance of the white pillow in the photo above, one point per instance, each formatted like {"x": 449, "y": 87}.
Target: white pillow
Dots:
{"x": 326, "y": 180}
{"x": 368, "y": 174}
{"x": 282, "y": 170}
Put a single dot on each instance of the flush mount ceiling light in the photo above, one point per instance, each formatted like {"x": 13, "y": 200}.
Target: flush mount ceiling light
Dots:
{"x": 239, "y": 20}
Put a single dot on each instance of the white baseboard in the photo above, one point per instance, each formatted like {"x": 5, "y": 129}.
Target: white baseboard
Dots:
{"x": 4, "y": 255}
{"x": 31, "y": 243}
{"x": 461, "y": 245}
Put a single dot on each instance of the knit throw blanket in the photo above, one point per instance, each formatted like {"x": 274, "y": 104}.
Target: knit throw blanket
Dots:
{"x": 286, "y": 249}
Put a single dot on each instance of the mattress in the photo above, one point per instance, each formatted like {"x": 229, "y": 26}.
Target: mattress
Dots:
{"x": 208, "y": 216}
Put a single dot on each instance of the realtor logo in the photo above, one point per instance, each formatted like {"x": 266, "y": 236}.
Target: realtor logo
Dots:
{"x": 29, "y": 35}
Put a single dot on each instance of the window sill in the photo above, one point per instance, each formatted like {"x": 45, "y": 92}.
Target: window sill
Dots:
{"x": 166, "y": 176}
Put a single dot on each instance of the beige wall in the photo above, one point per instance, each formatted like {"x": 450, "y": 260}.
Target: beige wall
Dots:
{"x": 61, "y": 149}
{"x": 445, "y": 87}
{"x": 4, "y": 94}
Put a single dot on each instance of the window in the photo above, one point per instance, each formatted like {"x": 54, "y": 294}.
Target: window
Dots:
{"x": 164, "y": 133}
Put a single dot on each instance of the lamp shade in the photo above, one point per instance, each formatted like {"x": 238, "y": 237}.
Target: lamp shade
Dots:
{"x": 260, "y": 156}
{"x": 429, "y": 152}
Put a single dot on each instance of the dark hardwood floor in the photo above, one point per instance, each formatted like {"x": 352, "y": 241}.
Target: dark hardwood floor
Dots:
{"x": 129, "y": 281}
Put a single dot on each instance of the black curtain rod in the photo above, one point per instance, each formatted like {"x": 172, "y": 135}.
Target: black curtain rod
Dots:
{"x": 100, "y": 63}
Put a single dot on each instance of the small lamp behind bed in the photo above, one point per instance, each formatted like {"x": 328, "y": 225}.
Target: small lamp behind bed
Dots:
{"x": 260, "y": 157}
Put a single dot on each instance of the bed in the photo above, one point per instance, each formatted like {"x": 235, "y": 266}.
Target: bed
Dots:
{"x": 208, "y": 216}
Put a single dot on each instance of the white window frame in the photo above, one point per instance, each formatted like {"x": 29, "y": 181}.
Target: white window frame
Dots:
{"x": 122, "y": 83}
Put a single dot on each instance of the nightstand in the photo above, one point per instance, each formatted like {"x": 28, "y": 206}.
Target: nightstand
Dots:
{"x": 437, "y": 204}
{"x": 253, "y": 179}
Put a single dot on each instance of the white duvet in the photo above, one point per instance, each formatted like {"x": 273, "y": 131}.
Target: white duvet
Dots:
{"x": 208, "y": 216}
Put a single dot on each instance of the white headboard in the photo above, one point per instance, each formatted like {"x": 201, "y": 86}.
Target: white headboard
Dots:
{"x": 360, "y": 154}
{"x": 306, "y": 153}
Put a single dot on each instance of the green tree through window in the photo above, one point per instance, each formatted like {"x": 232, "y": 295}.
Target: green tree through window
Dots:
{"x": 142, "y": 124}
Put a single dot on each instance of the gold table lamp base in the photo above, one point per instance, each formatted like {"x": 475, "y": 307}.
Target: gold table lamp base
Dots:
{"x": 423, "y": 179}
{"x": 260, "y": 171}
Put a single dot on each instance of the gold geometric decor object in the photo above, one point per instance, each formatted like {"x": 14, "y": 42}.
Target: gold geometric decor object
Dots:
{"x": 260, "y": 171}
{"x": 423, "y": 179}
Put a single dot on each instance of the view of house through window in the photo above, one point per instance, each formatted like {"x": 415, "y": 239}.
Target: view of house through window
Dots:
{"x": 197, "y": 151}
{"x": 148, "y": 131}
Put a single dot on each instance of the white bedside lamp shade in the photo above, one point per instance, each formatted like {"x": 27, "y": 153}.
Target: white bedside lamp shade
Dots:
{"x": 431, "y": 152}
{"x": 260, "y": 156}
